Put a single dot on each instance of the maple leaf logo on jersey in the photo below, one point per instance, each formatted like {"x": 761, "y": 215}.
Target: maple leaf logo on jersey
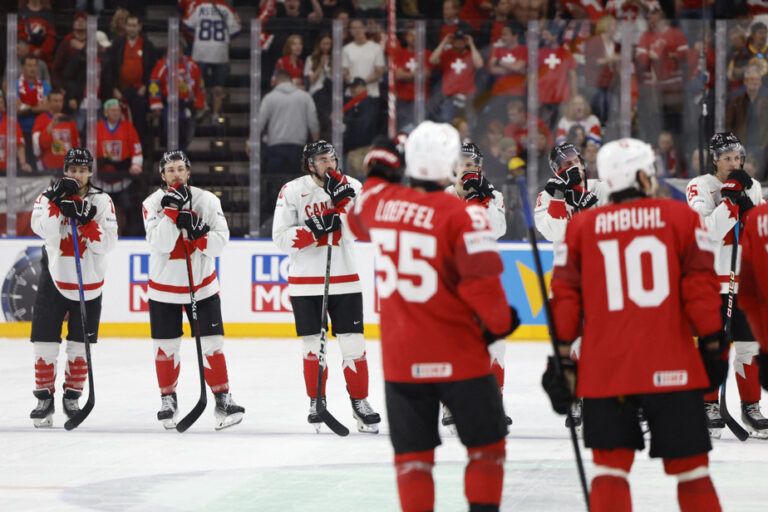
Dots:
{"x": 91, "y": 232}
{"x": 192, "y": 245}
{"x": 304, "y": 238}
{"x": 67, "y": 248}
{"x": 53, "y": 210}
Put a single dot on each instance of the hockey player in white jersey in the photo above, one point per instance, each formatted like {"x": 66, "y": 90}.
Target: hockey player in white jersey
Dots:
{"x": 70, "y": 197}
{"x": 310, "y": 213}
{"x": 180, "y": 219}
{"x": 722, "y": 199}
{"x": 564, "y": 195}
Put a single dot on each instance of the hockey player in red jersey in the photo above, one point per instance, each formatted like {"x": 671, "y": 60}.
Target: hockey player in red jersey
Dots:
{"x": 182, "y": 220}
{"x": 441, "y": 304}
{"x": 633, "y": 277}
{"x": 311, "y": 212}
{"x": 70, "y": 197}
{"x": 723, "y": 198}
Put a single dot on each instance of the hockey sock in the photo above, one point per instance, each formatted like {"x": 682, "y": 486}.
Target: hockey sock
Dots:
{"x": 356, "y": 375}
{"x": 610, "y": 487}
{"x": 77, "y": 368}
{"x": 214, "y": 363}
{"x": 414, "y": 480}
{"x": 695, "y": 491}
{"x": 714, "y": 396}
{"x": 484, "y": 475}
{"x": 497, "y": 349}
{"x": 747, "y": 371}
{"x": 46, "y": 353}
{"x": 498, "y": 372}
{"x": 167, "y": 364}
{"x": 311, "y": 367}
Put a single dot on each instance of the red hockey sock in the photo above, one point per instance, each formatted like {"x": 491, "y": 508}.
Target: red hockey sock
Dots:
{"x": 610, "y": 494}
{"x": 414, "y": 480}
{"x": 45, "y": 375}
{"x": 216, "y": 372}
{"x": 713, "y": 396}
{"x": 498, "y": 372}
{"x": 698, "y": 496}
{"x": 484, "y": 475}
{"x": 75, "y": 374}
{"x": 311, "y": 367}
{"x": 167, "y": 369}
{"x": 749, "y": 384}
{"x": 356, "y": 375}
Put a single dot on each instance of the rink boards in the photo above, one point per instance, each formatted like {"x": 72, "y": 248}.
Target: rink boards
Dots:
{"x": 254, "y": 288}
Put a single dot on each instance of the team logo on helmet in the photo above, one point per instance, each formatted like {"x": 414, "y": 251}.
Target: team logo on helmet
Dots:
{"x": 724, "y": 142}
{"x": 78, "y": 156}
{"x": 562, "y": 152}
{"x": 471, "y": 150}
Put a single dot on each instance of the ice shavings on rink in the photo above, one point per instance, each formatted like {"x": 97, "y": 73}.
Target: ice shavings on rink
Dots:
{"x": 121, "y": 459}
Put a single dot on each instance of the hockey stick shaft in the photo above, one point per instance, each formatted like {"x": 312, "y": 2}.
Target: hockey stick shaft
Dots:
{"x": 321, "y": 409}
{"x": 199, "y": 407}
{"x": 733, "y": 425}
{"x": 551, "y": 326}
{"x": 78, "y": 418}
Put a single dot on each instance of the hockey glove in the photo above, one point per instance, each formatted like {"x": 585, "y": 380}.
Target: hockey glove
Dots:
{"x": 339, "y": 188}
{"x": 176, "y": 197}
{"x": 323, "y": 224}
{"x": 477, "y": 187}
{"x": 195, "y": 226}
{"x": 62, "y": 188}
{"x": 714, "y": 354}
{"x": 762, "y": 364}
{"x": 734, "y": 189}
{"x": 564, "y": 179}
{"x": 75, "y": 208}
{"x": 560, "y": 386}
{"x": 580, "y": 198}
{"x": 490, "y": 337}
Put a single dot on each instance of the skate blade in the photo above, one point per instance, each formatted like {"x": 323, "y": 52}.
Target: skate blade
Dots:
{"x": 317, "y": 427}
{"x": 757, "y": 434}
{"x": 223, "y": 422}
{"x": 46, "y": 422}
{"x": 169, "y": 424}
{"x": 715, "y": 433}
{"x": 373, "y": 428}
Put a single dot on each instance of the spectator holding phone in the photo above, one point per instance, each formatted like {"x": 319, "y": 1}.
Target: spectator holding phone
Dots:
{"x": 53, "y": 134}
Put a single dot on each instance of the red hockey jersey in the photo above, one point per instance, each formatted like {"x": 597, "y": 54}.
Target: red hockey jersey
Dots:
{"x": 437, "y": 271}
{"x": 119, "y": 144}
{"x": 753, "y": 282}
{"x": 50, "y": 147}
{"x": 638, "y": 275}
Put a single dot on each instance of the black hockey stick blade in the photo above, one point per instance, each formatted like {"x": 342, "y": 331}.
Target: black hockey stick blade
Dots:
{"x": 333, "y": 424}
{"x": 78, "y": 418}
{"x": 733, "y": 425}
{"x": 192, "y": 416}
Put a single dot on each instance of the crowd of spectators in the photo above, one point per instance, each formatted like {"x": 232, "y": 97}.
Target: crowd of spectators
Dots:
{"x": 475, "y": 68}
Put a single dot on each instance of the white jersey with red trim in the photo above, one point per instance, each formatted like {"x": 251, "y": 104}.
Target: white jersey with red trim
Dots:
{"x": 497, "y": 215}
{"x": 720, "y": 217}
{"x": 214, "y": 24}
{"x": 95, "y": 240}
{"x": 552, "y": 215}
{"x": 297, "y": 201}
{"x": 168, "y": 279}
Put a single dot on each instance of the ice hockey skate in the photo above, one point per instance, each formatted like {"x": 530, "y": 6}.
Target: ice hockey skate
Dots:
{"x": 715, "y": 422}
{"x": 313, "y": 418}
{"x": 227, "y": 412}
{"x": 754, "y": 421}
{"x": 576, "y": 415}
{"x": 168, "y": 411}
{"x": 42, "y": 415}
{"x": 448, "y": 420}
{"x": 70, "y": 402}
{"x": 367, "y": 420}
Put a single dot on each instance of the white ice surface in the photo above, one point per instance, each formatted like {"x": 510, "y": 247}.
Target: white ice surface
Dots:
{"x": 121, "y": 459}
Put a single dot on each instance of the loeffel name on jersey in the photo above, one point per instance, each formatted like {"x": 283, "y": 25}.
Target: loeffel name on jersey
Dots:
{"x": 629, "y": 218}
{"x": 762, "y": 225}
{"x": 406, "y": 212}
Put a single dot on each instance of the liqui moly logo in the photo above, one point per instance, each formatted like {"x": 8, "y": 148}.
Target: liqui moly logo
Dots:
{"x": 269, "y": 283}
{"x": 139, "y": 283}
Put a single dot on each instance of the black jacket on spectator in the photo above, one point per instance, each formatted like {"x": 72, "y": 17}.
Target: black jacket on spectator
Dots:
{"x": 74, "y": 78}
{"x": 360, "y": 119}
{"x": 116, "y": 52}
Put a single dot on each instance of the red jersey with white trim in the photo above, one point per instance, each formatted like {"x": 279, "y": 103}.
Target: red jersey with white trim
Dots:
{"x": 757, "y": 7}
{"x": 753, "y": 295}
{"x": 190, "y": 83}
{"x": 117, "y": 143}
{"x": 168, "y": 279}
{"x": 512, "y": 82}
{"x": 437, "y": 272}
{"x": 95, "y": 240}
{"x": 298, "y": 200}
{"x": 720, "y": 217}
{"x": 214, "y": 23}
{"x": 494, "y": 207}
{"x": 672, "y": 49}
{"x": 458, "y": 72}
{"x": 554, "y": 66}
{"x": 636, "y": 277}
{"x": 630, "y": 11}
{"x": 4, "y": 140}
{"x": 51, "y": 147}
{"x": 406, "y": 59}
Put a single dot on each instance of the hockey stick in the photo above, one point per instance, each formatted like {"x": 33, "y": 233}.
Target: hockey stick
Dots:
{"x": 734, "y": 426}
{"x": 551, "y": 324}
{"x": 78, "y": 418}
{"x": 320, "y": 407}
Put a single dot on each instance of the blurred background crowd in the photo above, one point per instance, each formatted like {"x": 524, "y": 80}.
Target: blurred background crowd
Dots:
{"x": 658, "y": 57}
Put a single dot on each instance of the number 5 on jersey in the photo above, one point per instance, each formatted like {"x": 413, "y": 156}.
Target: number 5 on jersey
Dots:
{"x": 413, "y": 276}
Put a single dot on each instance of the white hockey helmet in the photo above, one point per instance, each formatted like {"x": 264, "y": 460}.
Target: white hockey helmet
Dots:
{"x": 432, "y": 152}
{"x": 619, "y": 161}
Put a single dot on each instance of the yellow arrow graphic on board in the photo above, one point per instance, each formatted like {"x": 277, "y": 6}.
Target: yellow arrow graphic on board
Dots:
{"x": 531, "y": 284}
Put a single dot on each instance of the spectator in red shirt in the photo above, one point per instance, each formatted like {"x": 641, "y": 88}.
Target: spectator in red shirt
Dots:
{"x": 517, "y": 128}
{"x": 668, "y": 161}
{"x": 557, "y": 75}
{"x": 603, "y": 58}
{"x": 458, "y": 65}
{"x": 450, "y": 22}
{"x": 509, "y": 64}
{"x": 291, "y": 61}
{"x": 36, "y": 25}
{"x": 20, "y": 153}
{"x": 317, "y": 73}
{"x": 71, "y": 44}
{"x": 53, "y": 134}
{"x": 476, "y": 12}
{"x": 490, "y": 32}
{"x": 405, "y": 76}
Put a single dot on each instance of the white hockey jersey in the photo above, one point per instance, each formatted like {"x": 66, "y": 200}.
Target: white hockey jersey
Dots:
{"x": 297, "y": 201}
{"x": 95, "y": 240}
{"x": 496, "y": 212}
{"x": 703, "y": 195}
{"x": 551, "y": 215}
{"x": 214, "y": 23}
{"x": 168, "y": 279}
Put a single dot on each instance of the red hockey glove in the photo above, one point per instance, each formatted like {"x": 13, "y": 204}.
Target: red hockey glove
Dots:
{"x": 339, "y": 188}
{"x": 490, "y": 337}
{"x": 478, "y": 187}
{"x": 734, "y": 189}
{"x": 564, "y": 179}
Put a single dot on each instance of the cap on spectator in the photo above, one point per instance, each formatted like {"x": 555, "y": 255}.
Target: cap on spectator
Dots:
{"x": 112, "y": 102}
{"x": 80, "y": 14}
{"x": 758, "y": 26}
{"x": 103, "y": 39}
{"x": 358, "y": 81}
{"x": 459, "y": 33}
{"x": 515, "y": 163}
